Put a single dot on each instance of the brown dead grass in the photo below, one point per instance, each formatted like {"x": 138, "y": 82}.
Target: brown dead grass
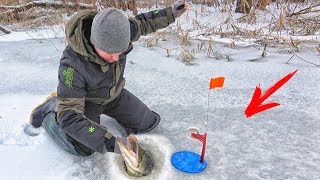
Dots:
{"x": 47, "y": 16}
{"x": 9, "y": 2}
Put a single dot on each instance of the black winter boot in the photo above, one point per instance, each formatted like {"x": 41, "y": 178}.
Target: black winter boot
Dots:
{"x": 45, "y": 115}
{"x": 39, "y": 112}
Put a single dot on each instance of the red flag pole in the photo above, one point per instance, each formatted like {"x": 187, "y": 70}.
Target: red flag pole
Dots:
{"x": 214, "y": 83}
{"x": 203, "y": 139}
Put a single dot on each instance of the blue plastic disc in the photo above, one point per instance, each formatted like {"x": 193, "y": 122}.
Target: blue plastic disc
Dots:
{"x": 187, "y": 161}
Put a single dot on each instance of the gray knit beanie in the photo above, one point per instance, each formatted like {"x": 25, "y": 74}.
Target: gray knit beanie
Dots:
{"x": 110, "y": 31}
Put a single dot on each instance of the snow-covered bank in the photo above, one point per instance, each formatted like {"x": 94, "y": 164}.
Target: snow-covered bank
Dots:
{"x": 37, "y": 34}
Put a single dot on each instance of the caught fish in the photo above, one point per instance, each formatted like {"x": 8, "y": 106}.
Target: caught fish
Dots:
{"x": 137, "y": 161}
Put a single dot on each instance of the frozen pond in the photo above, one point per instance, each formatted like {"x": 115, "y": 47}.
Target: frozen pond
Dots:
{"x": 280, "y": 143}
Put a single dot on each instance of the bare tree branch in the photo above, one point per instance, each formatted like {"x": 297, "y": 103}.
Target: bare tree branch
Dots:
{"x": 5, "y": 30}
{"x": 303, "y": 11}
{"x": 54, "y": 4}
{"x": 318, "y": 65}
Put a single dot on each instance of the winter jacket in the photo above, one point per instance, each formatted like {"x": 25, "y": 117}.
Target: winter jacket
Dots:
{"x": 84, "y": 77}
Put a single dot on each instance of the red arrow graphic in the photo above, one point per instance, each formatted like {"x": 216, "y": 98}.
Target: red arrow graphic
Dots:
{"x": 256, "y": 105}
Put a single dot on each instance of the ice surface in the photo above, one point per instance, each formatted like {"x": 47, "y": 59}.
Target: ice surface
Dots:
{"x": 281, "y": 143}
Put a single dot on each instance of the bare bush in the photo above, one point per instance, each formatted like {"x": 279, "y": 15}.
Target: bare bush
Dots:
{"x": 187, "y": 56}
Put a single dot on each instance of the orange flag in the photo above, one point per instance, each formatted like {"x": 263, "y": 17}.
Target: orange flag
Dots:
{"x": 216, "y": 82}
